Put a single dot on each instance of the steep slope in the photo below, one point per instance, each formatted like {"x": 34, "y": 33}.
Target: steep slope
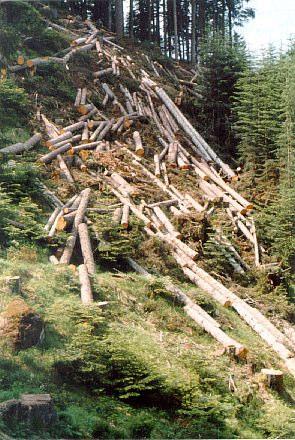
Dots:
{"x": 142, "y": 348}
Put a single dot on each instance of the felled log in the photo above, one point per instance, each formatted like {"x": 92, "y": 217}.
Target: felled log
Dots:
{"x": 49, "y": 195}
{"x": 199, "y": 315}
{"x": 83, "y": 96}
{"x": 166, "y": 203}
{"x": 47, "y": 158}
{"x": 85, "y": 109}
{"x": 102, "y": 73}
{"x": 86, "y": 291}
{"x": 51, "y": 219}
{"x": 73, "y": 127}
{"x": 65, "y": 173}
{"x": 87, "y": 146}
{"x": 196, "y": 205}
{"x": 165, "y": 174}
{"x": 125, "y": 216}
{"x": 117, "y": 215}
{"x": 62, "y": 137}
{"x": 78, "y": 162}
{"x": 273, "y": 379}
{"x": 122, "y": 184}
{"x": 70, "y": 244}
{"x": 86, "y": 248}
{"x": 20, "y": 147}
{"x": 165, "y": 221}
{"x": 55, "y": 224}
{"x": 157, "y": 165}
{"x": 133, "y": 207}
{"x": 78, "y": 98}
{"x": 172, "y": 154}
{"x": 139, "y": 150}
{"x": 199, "y": 142}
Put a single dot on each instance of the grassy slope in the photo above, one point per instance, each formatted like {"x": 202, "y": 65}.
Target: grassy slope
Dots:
{"x": 150, "y": 328}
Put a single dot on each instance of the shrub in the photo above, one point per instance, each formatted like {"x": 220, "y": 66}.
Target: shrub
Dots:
{"x": 14, "y": 104}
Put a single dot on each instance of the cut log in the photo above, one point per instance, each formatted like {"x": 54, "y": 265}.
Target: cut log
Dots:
{"x": 78, "y": 162}
{"x": 165, "y": 221}
{"x": 53, "y": 260}
{"x": 83, "y": 96}
{"x": 47, "y": 158}
{"x": 85, "y": 109}
{"x": 86, "y": 248}
{"x": 78, "y": 98}
{"x": 117, "y": 215}
{"x": 51, "y": 219}
{"x": 125, "y": 217}
{"x": 199, "y": 315}
{"x": 199, "y": 142}
{"x": 20, "y": 147}
{"x": 157, "y": 165}
{"x": 88, "y": 146}
{"x": 102, "y": 73}
{"x": 139, "y": 150}
{"x": 86, "y": 291}
{"x": 70, "y": 244}
{"x": 60, "y": 138}
{"x": 172, "y": 154}
{"x": 121, "y": 183}
{"x": 74, "y": 127}
{"x": 196, "y": 205}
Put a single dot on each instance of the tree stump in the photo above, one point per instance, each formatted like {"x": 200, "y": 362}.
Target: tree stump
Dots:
{"x": 14, "y": 285}
{"x": 273, "y": 379}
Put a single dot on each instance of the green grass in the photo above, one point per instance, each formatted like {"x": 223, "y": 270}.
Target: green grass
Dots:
{"x": 148, "y": 369}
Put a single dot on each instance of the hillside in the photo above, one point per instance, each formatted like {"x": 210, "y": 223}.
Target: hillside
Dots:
{"x": 102, "y": 151}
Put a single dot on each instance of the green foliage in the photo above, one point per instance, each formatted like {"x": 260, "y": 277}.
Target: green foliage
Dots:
{"x": 48, "y": 43}
{"x": 259, "y": 112}
{"x": 23, "y": 17}
{"x": 220, "y": 68}
{"x": 51, "y": 81}
{"x": 20, "y": 215}
{"x": 14, "y": 104}
{"x": 116, "y": 243}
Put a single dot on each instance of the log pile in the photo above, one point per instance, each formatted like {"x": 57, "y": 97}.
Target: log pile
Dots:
{"x": 113, "y": 140}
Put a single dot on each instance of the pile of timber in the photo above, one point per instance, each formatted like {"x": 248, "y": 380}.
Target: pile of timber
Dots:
{"x": 79, "y": 229}
{"x": 91, "y": 132}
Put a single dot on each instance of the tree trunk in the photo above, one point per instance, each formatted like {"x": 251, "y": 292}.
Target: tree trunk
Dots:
{"x": 193, "y": 45}
{"x": 86, "y": 291}
{"x": 176, "y": 47}
{"x": 119, "y": 18}
{"x": 86, "y": 248}
{"x": 20, "y": 147}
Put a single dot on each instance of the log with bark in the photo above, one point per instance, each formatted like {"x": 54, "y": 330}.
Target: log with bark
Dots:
{"x": 86, "y": 249}
{"x": 21, "y": 147}
{"x": 198, "y": 315}
{"x": 86, "y": 290}
{"x": 71, "y": 241}
{"x": 201, "y": 146}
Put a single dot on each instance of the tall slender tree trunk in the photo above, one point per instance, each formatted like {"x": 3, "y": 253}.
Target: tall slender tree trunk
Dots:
{"x": 110, "y": 15}
{"x": 194, "y": 28}
{"x": 176, "y": 47}
{"x": 230, "y": 20}
{"x": 131, "y": 19}
{"x": 119, "y": 18}
{"x": 165, "y": 26}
